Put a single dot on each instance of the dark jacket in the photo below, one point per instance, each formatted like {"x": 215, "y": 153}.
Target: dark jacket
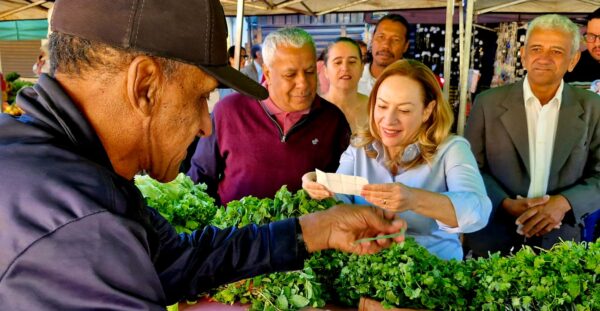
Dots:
{"x": 497, "y": 131}
{"x": 586, "y": 70}
{"x": 248, "y": 154}
{"x": 75, "y": 235}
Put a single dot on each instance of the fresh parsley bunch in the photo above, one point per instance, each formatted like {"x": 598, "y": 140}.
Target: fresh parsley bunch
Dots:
{"x": 565, "y": 277}
{"x": 185, "y": 205}
{"x": 252, "y": 210}
{"x": 275, "y": 291}
{"x": 405, "y": 275}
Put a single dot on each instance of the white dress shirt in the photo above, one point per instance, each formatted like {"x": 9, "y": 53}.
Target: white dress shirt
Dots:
{"x": 367, "y": 81}
{"x": 541, "y": 130}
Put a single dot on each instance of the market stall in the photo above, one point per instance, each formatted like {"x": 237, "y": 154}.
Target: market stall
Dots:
{"x": 404, "y": 276}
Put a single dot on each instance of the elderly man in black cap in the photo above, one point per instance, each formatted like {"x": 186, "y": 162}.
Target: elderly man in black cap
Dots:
{"x": 127, "y": 93}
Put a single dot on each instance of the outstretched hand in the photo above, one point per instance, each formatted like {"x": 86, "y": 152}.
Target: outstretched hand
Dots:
{"x": 391, "y": 196}
{"x": 340, "y": 226}
{"x": 314, "y": 189}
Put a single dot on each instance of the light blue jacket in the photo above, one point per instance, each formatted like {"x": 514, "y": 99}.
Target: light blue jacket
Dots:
{"x": 453, "y": 172}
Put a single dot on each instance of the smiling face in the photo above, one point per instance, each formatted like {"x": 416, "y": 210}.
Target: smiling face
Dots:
{"x": 179, "y": 115}
{"x": 547, "y": 56}
{"x": 344, "y": 67}
{"x": 399, "y": 112}
{"x": 389, "y": 43}
{"x": 292, "y": 77}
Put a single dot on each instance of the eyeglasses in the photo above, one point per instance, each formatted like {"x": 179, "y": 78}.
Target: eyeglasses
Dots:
{"x": 590, "y": 37}
{"x": 244, "y": 56}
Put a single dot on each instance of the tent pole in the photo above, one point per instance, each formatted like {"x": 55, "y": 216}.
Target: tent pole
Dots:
{"x": 461, "y": 37}
{"x": 250, "y": 5}
{"x": 500, "y": 6}
{"x": 448, "y": 48}
{"x": 464, "y": 70}
{"x": 461, "y": 41}
{"x": 592, "y": 2}
{"x": 286, "y": 3}
{"x": 239, "y": 26}
{"x": 23, "y": 8}
{"x": 341, "y": 7}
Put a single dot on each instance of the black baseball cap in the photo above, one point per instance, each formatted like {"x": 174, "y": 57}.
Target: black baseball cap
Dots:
{"x": 191, "y": 31}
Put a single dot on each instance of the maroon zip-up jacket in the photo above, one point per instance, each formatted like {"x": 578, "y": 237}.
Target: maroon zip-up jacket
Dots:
{"x": 248, "y": 154}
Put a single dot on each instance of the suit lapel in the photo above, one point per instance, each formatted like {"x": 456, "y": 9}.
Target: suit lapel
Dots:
{"x": 514, "y": 120}
{"x": 569, "y": 129}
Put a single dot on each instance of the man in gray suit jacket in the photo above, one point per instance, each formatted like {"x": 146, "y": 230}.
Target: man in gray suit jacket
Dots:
{"x": 254, "y": 69}
{"x": 537, "y": 143}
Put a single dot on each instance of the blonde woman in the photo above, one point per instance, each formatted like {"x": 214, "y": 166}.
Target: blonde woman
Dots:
{"x": 413, "y": 164}
{"x": 343, "y": 68}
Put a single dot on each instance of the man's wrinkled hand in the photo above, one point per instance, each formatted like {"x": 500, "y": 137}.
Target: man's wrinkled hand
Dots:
{"x": 541, "y": 219}
{"x": 340, "y": 226}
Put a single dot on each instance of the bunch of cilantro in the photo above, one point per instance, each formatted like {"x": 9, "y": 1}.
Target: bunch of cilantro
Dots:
{"x": 405, "y": 275}
{"x": 185, "y": 205}
{"x": 276, "y": 291}
{"x": 566, "y": 277}
{"x": 252, "y": 210}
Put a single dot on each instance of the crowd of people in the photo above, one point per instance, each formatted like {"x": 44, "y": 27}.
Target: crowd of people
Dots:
{"x": 77, "y": 234}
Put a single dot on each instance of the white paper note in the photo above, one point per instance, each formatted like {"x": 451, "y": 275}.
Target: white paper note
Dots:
{"x": 339, "y": 183}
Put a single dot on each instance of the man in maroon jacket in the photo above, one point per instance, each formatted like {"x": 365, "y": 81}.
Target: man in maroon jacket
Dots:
{"x": 258, "y": 146}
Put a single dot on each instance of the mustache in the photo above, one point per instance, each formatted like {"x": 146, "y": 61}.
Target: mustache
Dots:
{"x": 385, "y": 53}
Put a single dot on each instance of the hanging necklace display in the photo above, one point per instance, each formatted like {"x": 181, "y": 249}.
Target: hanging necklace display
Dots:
{"x": 506, "y": 55}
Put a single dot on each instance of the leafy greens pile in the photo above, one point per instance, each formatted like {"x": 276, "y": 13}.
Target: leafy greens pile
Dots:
{"x": 405, "y": 275}
{"x": 185, "y": 205}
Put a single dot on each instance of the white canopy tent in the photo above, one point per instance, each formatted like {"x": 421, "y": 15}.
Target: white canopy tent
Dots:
{"x": 36, "y": 9}
{"x": 469, "y": 10}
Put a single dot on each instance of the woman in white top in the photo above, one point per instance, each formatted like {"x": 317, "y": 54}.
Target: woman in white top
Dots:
{"x": 413, "y": 164}
{"x": 343, "y": 68}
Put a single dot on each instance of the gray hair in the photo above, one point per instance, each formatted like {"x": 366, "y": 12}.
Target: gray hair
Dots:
{"x": 556, "y": 22}
{"x": 71, "y": 55}
{"x": 290, "y": 36}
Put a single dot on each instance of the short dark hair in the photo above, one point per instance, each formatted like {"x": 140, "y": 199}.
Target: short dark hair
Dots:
{"x": 595, "y": 14}
{"x": 395, "y": 18}
{"x": 255, "y": 49}
{"x": 231, "y": 51}
{"x": 361, "y": 43}
{"x": 341, "y": 39}
{"x": 71, "y": 55}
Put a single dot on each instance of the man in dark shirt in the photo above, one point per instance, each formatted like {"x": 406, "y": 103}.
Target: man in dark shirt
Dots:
{"x": 588, "y": 67}
{"x": 127, "y": 93}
